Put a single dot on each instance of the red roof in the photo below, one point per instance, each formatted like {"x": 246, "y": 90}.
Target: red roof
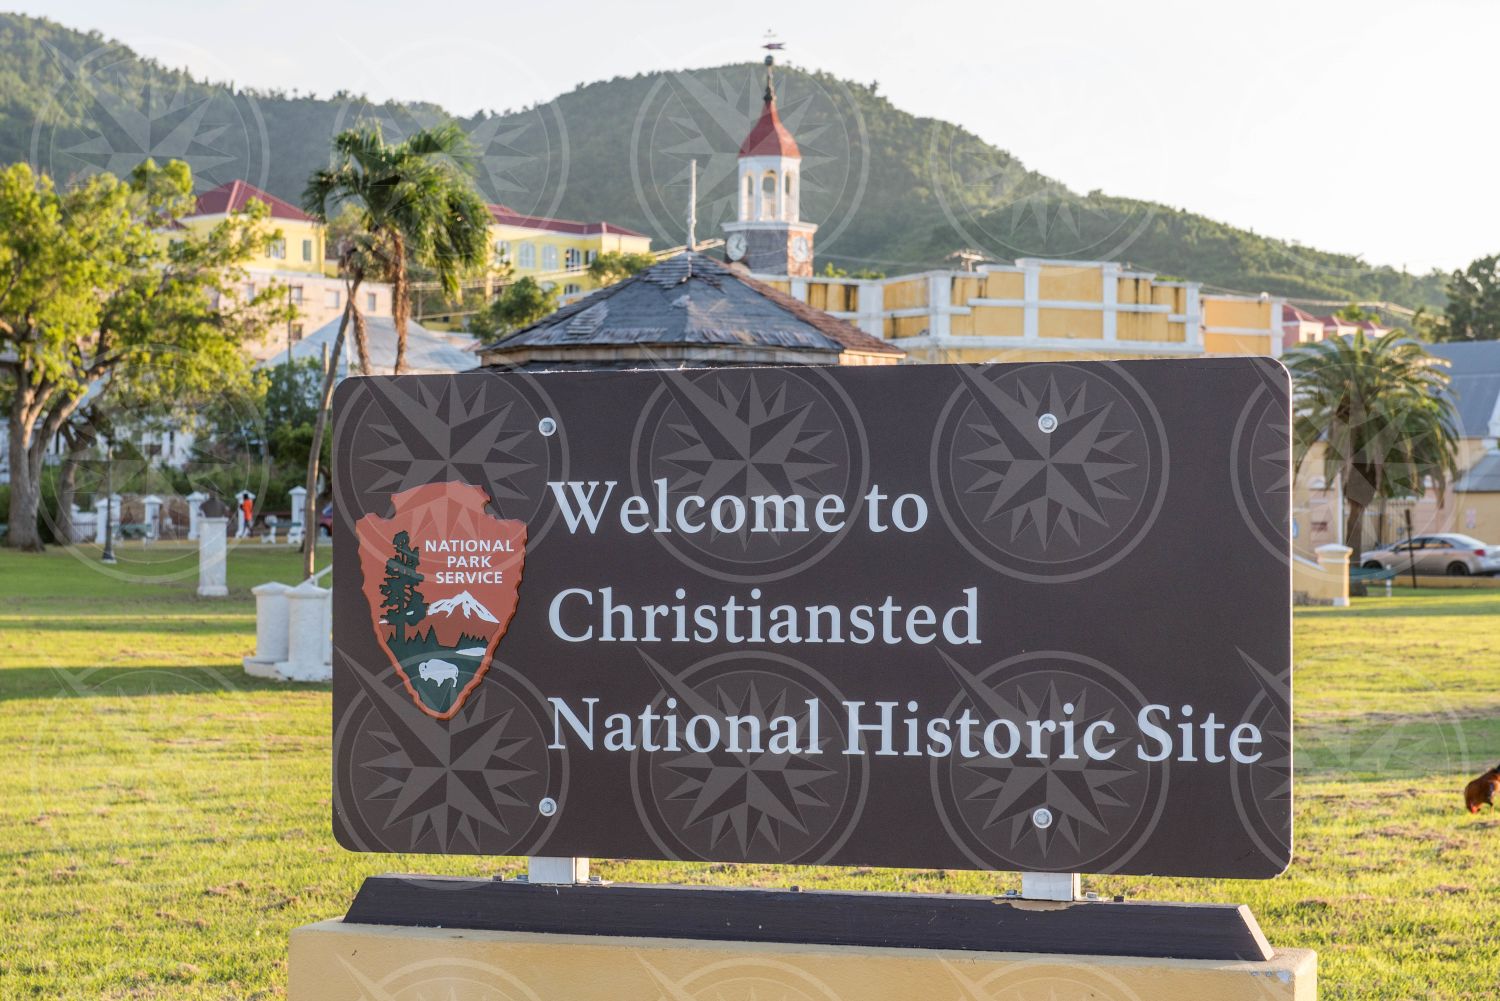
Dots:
{"x": 769, "y": 137}
{"x": 234, "y": 195}
{"x": 1291, "y": 314}
{"x": 506, "y": 216}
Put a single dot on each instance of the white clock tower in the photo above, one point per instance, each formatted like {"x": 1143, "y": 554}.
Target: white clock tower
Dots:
{"x": 769, "y": 237}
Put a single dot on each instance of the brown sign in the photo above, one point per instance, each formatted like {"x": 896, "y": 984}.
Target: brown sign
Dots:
{"x": 1027, "y": 617}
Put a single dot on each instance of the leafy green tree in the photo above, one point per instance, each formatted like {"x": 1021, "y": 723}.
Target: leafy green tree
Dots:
{"x": 1355, "y": 313}
{"x": 412, "y": 202}
{"x": 1473, "y": 310}
{"x": 516, "y": 305}
{"x": 617, "y": 265}
{"x": 403, "y": 604}
{"x": 1429, "y": 325}
{"x": 95, "y": 300}
{"x": 290, "y": 393}
{"x": 1379, "y": 407}
{"x": 830, "y": 270}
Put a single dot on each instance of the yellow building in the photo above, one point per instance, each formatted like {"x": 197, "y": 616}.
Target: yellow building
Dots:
{"x": 298, "y": 249}
{"x": 1036, "y": 310}
{"x": 557, "y": 252}
{"x": 296, "y": 262}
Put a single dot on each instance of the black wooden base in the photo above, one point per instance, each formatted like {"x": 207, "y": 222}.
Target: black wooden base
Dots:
{"x": 891, "y": 920}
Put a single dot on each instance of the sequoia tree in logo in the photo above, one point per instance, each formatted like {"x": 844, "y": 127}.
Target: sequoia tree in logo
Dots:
{"x": 442, "y": 579}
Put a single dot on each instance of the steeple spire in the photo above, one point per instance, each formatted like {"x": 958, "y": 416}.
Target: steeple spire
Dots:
{"x": 769, "y": 235}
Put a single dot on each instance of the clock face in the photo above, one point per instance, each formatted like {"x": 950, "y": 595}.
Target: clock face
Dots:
{"x": 801, "y": 249}
{"x": 735, "y": 246}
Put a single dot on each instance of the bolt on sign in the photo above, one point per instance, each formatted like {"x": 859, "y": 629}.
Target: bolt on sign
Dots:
{"x": 1030, "y": 617}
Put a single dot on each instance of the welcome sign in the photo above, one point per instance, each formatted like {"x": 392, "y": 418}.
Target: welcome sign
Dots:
{"x": 1029, "y": 617}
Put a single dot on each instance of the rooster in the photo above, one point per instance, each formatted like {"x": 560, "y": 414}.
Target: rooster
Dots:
{"x": 1483, "y": 790}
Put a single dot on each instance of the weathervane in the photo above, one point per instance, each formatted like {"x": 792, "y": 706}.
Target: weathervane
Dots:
{"x": 771, "y": 45}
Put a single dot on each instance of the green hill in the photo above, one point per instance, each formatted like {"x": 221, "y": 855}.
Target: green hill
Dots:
{"x": 891, "y": 191}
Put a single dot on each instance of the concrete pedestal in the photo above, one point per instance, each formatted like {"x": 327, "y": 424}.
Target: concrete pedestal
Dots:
{"x": 271, "y": 627}
{"x": 337, "y": 961}
{"x": 1333, "y": 559}
{"x": 309, "y": 637}
{"x": 213, "y": 554}
{"x": 298, "y": 498}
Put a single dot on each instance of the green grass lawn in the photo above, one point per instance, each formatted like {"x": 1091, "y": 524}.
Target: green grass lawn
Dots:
{"x": 164, "y": 820}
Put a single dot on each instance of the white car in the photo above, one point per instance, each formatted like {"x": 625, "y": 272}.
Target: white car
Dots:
{"x": 1447, "y": 553}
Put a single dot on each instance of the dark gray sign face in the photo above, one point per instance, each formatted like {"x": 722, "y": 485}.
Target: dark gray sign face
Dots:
{"x": 1030, "y": 617}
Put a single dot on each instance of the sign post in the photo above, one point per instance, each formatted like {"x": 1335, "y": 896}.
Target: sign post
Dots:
{"x": 1007, "y": 617}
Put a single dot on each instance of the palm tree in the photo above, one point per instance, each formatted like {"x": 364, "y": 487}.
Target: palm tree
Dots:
{"x": 412, "y": 203}
{"x": 1381, "y": 409}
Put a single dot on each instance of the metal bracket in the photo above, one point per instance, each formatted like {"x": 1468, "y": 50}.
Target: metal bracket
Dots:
{"x": 556, "y": 869}
{"x": 1050, "y": 886}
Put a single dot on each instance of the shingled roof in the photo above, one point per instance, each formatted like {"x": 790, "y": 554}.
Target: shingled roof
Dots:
{"x": 507, "y": 216}
{"x": 233, "y": 196}
{"x": 688, "y": 309}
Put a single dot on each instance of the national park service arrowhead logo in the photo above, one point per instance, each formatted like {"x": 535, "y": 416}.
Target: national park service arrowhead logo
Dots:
{"x": 441, "y": 578}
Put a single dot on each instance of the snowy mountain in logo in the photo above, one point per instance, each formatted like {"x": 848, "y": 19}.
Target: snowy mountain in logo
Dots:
{"x": 463, "y": 602}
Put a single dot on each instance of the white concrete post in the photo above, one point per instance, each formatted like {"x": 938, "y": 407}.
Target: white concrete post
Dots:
{"x": 1110, "y": 273}
{"x": 298, "y": 497}
{"x": 1334, "y": 561}
{"x": 195, "y": 511}
{"x": 213, "y": 554}
{"x": 271, "y": 627}
{"x": 102, "y": 519}
{"x": 940, "y": 304}
{"x": 872, "y": 308}
{"x": 152, "y": 504}
{"x": 77, "y": 528}
{"x": 307, "y": 634}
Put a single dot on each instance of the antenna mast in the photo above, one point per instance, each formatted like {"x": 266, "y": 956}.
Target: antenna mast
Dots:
{"x": 692, "y": 213}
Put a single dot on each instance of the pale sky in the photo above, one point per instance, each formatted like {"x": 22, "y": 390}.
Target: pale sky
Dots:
{"x": 1361, "y": 126}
